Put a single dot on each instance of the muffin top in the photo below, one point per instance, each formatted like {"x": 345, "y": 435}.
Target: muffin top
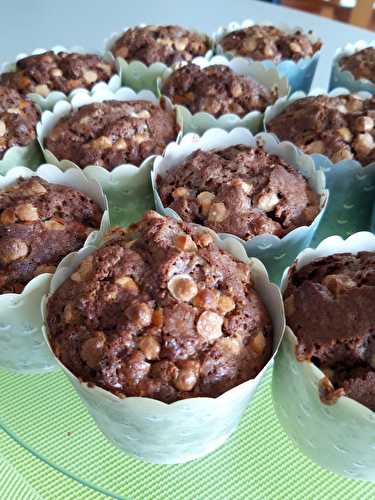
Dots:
{"x": 18, "y": 118}
{"x": 160, "y": 311}
{"x": 217, "y": 90}
{"x": 239, "y": 190}
{"x": 112, "y": 132}
{"x": 361, "y": 64}
{"x": 329, "y": 305}
{"x": 267, "y": 42}
{"x": 40, "y": 223}
{"x": 339, "y": 127}
{"x": 166, "y": 44}
{"x": 63, "y": 71}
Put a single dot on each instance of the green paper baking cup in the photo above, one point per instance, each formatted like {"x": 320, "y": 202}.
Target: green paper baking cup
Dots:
{"x": 22, "y": 347}
{"x": 338, "y": 437}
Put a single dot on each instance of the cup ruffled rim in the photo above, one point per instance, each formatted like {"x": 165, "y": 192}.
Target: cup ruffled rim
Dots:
{"x": 54, "y": 96}
{"x": 360, "y": 241}
{"x": 242, "y": 66}
{"x": 235, "y": 25}
{"x": 218, "y": 138}
{"x": 69, "y": 178}
{"x": 261, "y": 280}
{"x": 347, "y": 50}
{"x": 62, "y": 108}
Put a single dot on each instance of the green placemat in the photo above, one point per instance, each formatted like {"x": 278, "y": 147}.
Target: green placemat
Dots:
{"x": 258, "y": 462}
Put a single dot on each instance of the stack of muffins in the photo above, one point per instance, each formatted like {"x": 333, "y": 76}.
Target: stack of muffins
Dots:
{"x": 174, "y": 307}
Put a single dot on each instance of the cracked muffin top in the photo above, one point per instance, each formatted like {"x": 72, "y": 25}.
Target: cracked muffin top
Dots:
{"x": 268, "y": 43}
{"x": 167, "y": 44}
{"x": 113, "y": 132}
{"x": 329, "y": 305}
{"x": 42, "y": 73}
{"x": 239, "y": 190}
{"x": 361, "y": 64}
{"x": 40, "y": 223}
{"x": 18, "y": 119}
{"x": 216, "y": 89}
{"x": 342, "y": 127}
{"x": 160, "y": 311}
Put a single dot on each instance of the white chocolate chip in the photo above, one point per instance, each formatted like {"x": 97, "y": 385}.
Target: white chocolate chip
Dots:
{"x": 205, "y": 199}
{"x": 180, "y": 192}
{"x": 90, "y": 76}
{"x": 42, "y": 89}
{"x": 182, "y": 287}
{"x": 268, "y": 202}
{"x": 27, "y": 212}
{"x": 258, "y": 343}
{"x": 83, "y": 270}
{"x": 315, "y": 147}
{"x": 127, "y": 283}
{"x": 185, "y": 242}
{"x": 345, "y": 134}
{"x": 364, "y": 143}
{"x": 3, "y": 128}
{"x": 245, "y": 186}
{"x": 56, "y": 72}
{"x": 150, "y": 347}
{"x": 141, "y": 114}
{"x": 181, "y": 43}
{"x": 364, "y": 124}
{"x": 217, "y": 212}
{"x": 54, "y": 225}
{"x": 209, "y": 325}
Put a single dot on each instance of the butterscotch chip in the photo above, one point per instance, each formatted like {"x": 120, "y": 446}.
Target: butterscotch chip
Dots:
{"x": 167, "y": 44}
{"x": 107, "y": 133}
{"x": 169, "y": 341}
{"x": 217, "y": 90}
{"x": 127, "y": 283}
{"x": 43, "y": 73}
{"x": 340, "y": 127}
{"x": 329, "y": 307}
{"x": 27, "y": 212}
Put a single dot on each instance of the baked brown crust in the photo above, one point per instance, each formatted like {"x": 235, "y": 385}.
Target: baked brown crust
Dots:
{"x": 113, "y": 132}
{"x": 160, "y": 311}
{"x": 40, "y": 223}
{"x": 361, "y": 64}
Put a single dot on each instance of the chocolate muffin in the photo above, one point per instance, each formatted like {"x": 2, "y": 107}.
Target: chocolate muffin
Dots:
{"x": 361, "y": 64}
{"x": 268, "y": 43}
{"x": 217, "y": 90}
{"x": 166, "y": 44}
{"x": 342, "y": 127}
{"x": 239, "y": 190}
{"x": 63, "y": 71}
{"x": 329, "y": 306}
{"x": 113, "y": 132}
{"x": 160, "y": 311}
{"x": 18, "y": 118}
{"x": 40, "y": 223}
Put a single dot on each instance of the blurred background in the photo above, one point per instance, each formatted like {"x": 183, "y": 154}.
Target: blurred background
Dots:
{"x": 357, "y": 12}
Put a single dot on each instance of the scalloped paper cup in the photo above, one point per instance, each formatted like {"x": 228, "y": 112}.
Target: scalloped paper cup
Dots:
{"x": 30, "y": 156}
{"x": 54, "y": 96}
{"x": 22, "y": 347}
{"x": 300, "y": 73}
{"x": 346, "y": 79}
{"x": 136, "y": 74}
{"x": 157, "y": 432}
{"x": 351, "y": 186}
{"x": 338, "y": 437}
{"x": 62, "y": 108}
{"x": 202, "y": 121}
{"x": 276, "y": 253}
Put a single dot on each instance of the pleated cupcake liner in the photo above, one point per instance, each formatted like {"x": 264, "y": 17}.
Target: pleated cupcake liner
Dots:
{"x": 338, "y": 437}
{"x": 185, "y": 430}
{"x": 340, "y": 78}
{"x": 22, "y": 348}
{"x": 276, "y": 253}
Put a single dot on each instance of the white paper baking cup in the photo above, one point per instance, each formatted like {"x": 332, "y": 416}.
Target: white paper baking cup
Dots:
{"x": 202, "y": 121}
{"x": 338, "y": 437}
{"x": 276, "y": 253}
{"x": 185, "y": 430}
{"x": 62, "y": 108}
{"x": 136, "y": 74}
{"x": 54, "y": 96}
{"x": 22, "y": 347}
{"x": 346, "y": 79}
{"x": 300, "y": 73}
{"x": 352, "y": 187}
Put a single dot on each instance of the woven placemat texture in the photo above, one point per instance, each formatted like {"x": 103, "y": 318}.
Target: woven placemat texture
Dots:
{"x": 257, "y": 462}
